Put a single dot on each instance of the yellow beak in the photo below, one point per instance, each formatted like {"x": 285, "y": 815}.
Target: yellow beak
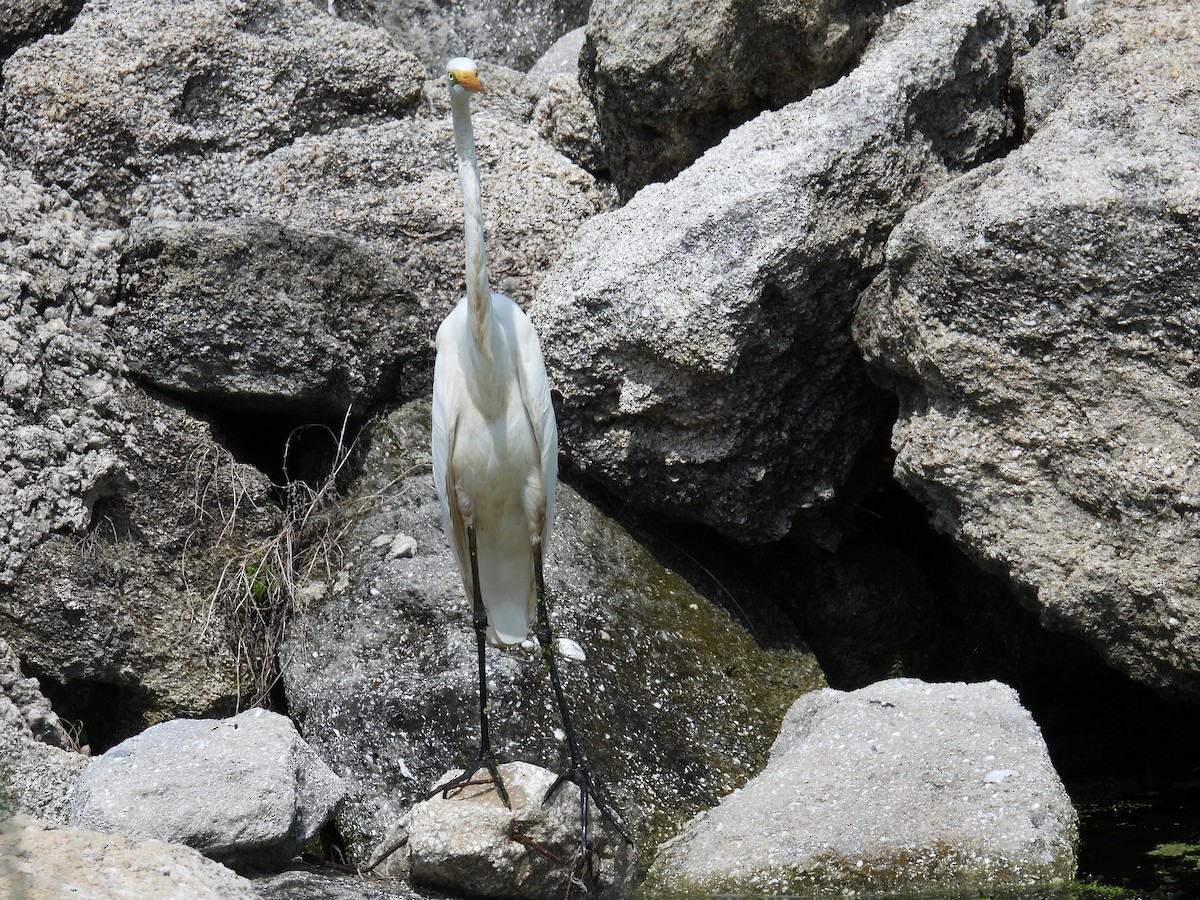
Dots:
{"x": 470, "y": 81}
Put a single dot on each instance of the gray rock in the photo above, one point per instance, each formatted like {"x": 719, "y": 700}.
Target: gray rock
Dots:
{"x": 36, "y": 779}
{"x": 91, "y": 478}
{"x": 563, "y": 115}
{"x": 561, "y": 58}
{"x": 248, "y": 314}
{"x": 900, "y": 787}
{"x": 38, "y": 760}
{"x": 395, "y": 185}
{"x": 246, "y": 791}
{"x": 470, "y": 844}
{"x": 1038, "y": 320}
{"x": 670, "y": 80}
{"x": 61, "y": 420}
{"x": 125, "y": 602}
{"x": 324, "y": 884}
{"x": 22, "y": 21}
{"x": 23, "y": 707}
{"x": 130, "y": 90}
{"x": 40, "y": 861}
{"x": 512, "y": 33}
{"x": 310, "y": 122}
{"x": 673, "y": 702}
{"x": 700, "y": 336}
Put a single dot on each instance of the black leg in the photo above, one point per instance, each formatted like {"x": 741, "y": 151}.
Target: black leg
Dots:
{"x": 578, "y": 773}
{"x": 487, "y": 757}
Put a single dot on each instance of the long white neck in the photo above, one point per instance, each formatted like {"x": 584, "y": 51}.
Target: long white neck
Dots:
{"x": 479, "y": 292}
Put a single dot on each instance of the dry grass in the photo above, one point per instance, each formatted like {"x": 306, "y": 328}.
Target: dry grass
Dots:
{"x": 261, "y": 583}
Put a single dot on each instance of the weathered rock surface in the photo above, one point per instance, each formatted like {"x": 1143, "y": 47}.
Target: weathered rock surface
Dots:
{"x": 395, "y": 184}
{"x": 133, "y": 89}
{"x": 278, "y": 111}
{"x": 23, "y": 707}
{"x": 901, "y": 786}
{"x": 470, "y": 844}
{"x": 22, "y": 21}
{"x": 669, "y": 80}
{"x": 36, "y": 779}
{"x": 673, "y": 702}
{"x": 252, "y": 315}
{"x": 57, "y": 286}
{"x": 246, "y": 791}
{"x": 38, "y": 762}
{"x": 39, "y": 861}
{"x": 123, "y": 603}
{"x": 512, "y": 33}
{"x": 563, "y": 115}
{"x": 312, "y": 883}
{"x": 1038, "y": 320}
{"x": 700, "y": 335}
{"x": 94, "y": 479}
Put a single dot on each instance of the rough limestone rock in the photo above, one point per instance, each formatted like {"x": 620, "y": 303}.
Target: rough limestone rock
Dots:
{"x": 252, "y": 315}
{"x": 275, "y": 110}
{"x": 23, "y": 707}
{"x": 395, "y": 184}
{"x": 319, "y": 883}
{"x": 471, "y": 844}
{"x": 246, "y": 791}
{"x": 36, "y": 779}
{"x": 133, "y": 88}
{"x": 53, "y": 359}
{"x": 563, "y": 115}
{"x": 38, "y": 762}
{"x": 122, "y": 604}
{"x": 92, "y": 474}
{"x": 899, "y": 787}
{"x": 673, "y": 702}
{"x": 700, "y": 336}
{"x": 1038, "y": 321}
{"x": 40, "y": 861}
{"x": 669, "y": 80}
{"x": 512, "y": 33}
{"x": 22, "y": 21}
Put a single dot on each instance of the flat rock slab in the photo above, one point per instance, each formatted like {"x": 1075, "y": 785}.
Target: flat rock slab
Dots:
{"x": 246, "y": 791}
{"x": 900, "y": 786}
{"x": 469, "y": 843}
{"x": 39, "y": 861}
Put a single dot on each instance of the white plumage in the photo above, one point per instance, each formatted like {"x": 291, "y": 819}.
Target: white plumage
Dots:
{"x": 495, "y": 442}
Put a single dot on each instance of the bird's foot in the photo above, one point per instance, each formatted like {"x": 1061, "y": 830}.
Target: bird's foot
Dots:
{"x": 487, "y": 760}
{"x": 589, "y": 793}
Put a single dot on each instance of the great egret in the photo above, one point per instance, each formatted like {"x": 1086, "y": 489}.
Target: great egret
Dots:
{"x": 495, "y": 464}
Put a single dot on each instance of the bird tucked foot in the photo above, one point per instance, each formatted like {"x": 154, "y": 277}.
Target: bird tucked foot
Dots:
{"x": 589, "y": 793}
{"x": 487, "y": 760}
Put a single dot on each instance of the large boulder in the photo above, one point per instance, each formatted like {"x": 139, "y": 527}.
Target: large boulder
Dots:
{"x": 248, "y": 314}
{"x": 277, "y": 111}
{"x": 246, "y": 791}
{"x": 674, "y": 704}
{"x": 1038, "y": 320}
{"x": 700, "y": 336}
{"x": 669, "y": 80}
{"x": 132, "y": 89}
{"x": 512, "y": 33}
{"x": 899, "y": 787}
{"x": 101, "y": 490}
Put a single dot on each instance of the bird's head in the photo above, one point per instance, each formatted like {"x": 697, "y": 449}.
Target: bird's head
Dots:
{"x": 463, "y": 75}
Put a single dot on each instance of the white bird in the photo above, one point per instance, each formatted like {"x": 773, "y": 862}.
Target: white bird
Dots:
{"x": 495, "y": 459}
